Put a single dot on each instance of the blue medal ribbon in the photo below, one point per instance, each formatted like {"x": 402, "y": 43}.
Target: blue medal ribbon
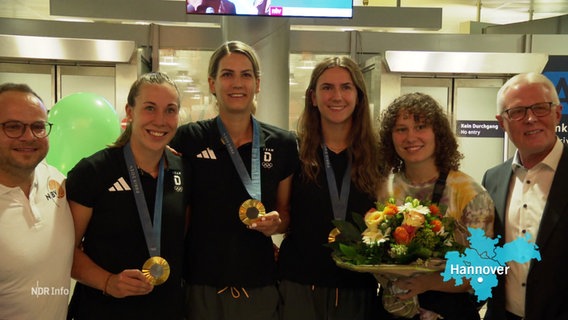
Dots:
{"x": 152, "y": 231}
{"x": 338, "y": 203}
{"x": 252, "y": 182}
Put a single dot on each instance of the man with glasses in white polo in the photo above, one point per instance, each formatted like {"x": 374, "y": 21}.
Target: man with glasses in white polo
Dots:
{"x": 36, "y": 227}
{"x": 529, "y": 192}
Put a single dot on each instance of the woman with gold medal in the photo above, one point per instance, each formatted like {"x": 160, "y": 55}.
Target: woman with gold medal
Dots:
{"x": 129, "y": 210}
{"x": 241, "y": 169}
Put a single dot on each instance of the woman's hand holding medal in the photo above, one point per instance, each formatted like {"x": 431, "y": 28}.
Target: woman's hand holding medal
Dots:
{"x": 130, "y": 282}
{"x": 253, "y": 214}
{"x": 267, "y": 224}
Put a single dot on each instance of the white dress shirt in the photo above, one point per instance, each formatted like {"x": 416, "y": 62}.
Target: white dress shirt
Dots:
{"x": 528, "y": 193}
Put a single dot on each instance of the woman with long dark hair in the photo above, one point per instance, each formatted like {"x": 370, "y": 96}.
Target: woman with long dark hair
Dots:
{"x": 339, "y": 174}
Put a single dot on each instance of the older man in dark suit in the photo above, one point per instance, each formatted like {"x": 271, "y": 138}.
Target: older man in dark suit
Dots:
{"x": 529, "y": 191}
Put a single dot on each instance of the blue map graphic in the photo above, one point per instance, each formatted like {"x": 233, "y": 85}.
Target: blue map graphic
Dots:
{"x": 485, "y": 259}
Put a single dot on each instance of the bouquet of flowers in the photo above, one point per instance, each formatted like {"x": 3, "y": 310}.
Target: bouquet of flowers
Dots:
{"x": 393, "y": 241}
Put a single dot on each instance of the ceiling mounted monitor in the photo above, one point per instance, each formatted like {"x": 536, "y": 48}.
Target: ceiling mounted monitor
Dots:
{"x": 273, "y": 8}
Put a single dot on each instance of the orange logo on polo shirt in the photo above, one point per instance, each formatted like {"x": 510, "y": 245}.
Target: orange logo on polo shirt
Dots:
{"x": 55, "y": 190}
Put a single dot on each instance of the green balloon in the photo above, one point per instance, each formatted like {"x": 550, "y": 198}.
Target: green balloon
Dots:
{"x": 83, "y": 123}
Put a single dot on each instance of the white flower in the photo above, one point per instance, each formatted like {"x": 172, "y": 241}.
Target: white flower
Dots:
{"x": 409, "y": 206}
{"x": 449, "y": 242}
{"x": 371, "y": 237}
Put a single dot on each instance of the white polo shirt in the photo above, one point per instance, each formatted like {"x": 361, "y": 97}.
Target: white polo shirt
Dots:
{"x": 36, "y": 248}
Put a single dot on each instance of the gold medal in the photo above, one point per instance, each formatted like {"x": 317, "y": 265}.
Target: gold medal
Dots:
{"x": 156, "y": 269}
{"x": 333, "y": 235}
{"x": 251, "y": 210}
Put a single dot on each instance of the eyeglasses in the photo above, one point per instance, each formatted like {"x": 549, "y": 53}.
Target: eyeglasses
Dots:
{"x": 538, "y": 109}
{"x": 16, "y": 129}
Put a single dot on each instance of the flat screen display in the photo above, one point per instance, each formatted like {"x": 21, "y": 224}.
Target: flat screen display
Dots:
{"x": 277, "y": 8}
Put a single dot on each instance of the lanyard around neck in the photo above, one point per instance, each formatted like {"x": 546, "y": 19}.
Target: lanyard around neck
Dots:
{"x": 252, "y": 183}
{"x": 151, "y": 230}
{"x": 338, "y": 202}
{"x": 439, "y": 187}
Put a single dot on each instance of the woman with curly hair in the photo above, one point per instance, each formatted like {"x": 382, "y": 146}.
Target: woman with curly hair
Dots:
{"x": 339, "y": 174}
{"x": 422, "y": 159}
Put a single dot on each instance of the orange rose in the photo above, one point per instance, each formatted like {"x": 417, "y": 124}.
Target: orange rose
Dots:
{"x": 410, "y": 229}
{"x": 390, "y": 210}
{"x": 434, "y": 210}
{"x": 401, "y": 236}
{"x": 436, "y": 225}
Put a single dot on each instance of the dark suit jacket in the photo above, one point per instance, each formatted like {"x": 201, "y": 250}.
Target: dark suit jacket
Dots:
{"x": 547, "y": 281}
